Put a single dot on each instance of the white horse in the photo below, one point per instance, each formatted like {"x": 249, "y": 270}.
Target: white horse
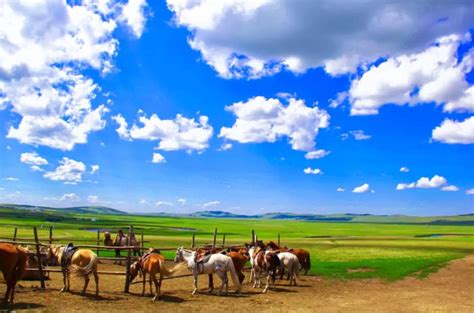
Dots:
{"x": 291, "y": 262}
{"x": 255, "y": 269}
{"x": 217, "y": 263}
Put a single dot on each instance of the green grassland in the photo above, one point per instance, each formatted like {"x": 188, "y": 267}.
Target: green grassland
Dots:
{"x": 365, "y": 249}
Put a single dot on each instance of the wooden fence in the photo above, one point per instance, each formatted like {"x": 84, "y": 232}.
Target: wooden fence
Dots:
{"x": 37, "y": 243}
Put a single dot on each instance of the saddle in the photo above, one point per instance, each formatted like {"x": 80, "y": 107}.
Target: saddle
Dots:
{"x": 148, "y": 254}
{"x": 202, "y": 258}
{"x": 67, "y": 255}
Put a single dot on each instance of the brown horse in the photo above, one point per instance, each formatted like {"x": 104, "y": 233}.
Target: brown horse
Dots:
{"x": 239, "y": 259}
{"x": 304, "y": 258}
{"x": 153, "y": 264}
{"x": 13, "y": 265}
{"x": 108, "y": 239}
{"x": 82, "y": 263}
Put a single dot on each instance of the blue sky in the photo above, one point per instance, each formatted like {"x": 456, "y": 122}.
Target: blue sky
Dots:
{"x": 406, "y": 94}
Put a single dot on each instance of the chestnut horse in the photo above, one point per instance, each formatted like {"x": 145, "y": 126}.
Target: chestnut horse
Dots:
{"x": 13, "y": 265}
{"x": 83, "y": 263}
{"x": 153, "y": 264}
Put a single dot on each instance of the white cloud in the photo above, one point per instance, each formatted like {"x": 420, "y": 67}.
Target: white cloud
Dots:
{"x": 313, "y": 171}
{"x": 359, "y": 135}
{"x": 33, "y": 159}
{"x": 316, "y": 154}
{"x": 9, "y": 148}
{"x": 450, "y": 188}
{"x": 210, "y": 204}
{"x": 266, "y": 120}
{"x": 404, "y": 169}
{"x": 240, "y": 38}
{"x": 425, "y": 182}
{"x": 180, "y": 133}
{"x": 93, "y": 199}
{"x": 433, "y": 75}
{"x": 340, "y": 98}
{"x": 158, "y": 158}
{"x": 470, "y": 191}
{"x": 340, "y": 189}
{"x": 225, "y": 146}
{"x": 94, "y": 168}
{"x": 163, "y": 203}
{"x": 12, "y": 178}
{"x": 70, "y": 197}
{"x": 182, "y": 201}
{"x": 454, "y": 132}
{"x": 362, "y": 188}
{"x": 143, "y": 201}
{"x": 133, "y": 14}
{"x": 70, "y": 171}
{"x": 45, "y": 51}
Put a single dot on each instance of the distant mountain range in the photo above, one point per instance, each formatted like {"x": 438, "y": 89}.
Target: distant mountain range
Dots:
{"x": 77, "y": 210}
{"x": 464, "y": 219}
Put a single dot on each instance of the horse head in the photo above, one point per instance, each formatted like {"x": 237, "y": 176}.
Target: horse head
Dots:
{"x": 135, "y": 269}
{"x": 179, "y": 255}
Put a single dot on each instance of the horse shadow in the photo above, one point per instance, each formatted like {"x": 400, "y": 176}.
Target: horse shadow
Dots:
{"x": 170, "y": 298}
{"x": 20, "y": 306}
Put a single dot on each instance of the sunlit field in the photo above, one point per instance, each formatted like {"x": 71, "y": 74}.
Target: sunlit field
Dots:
{"x": 338, "y": 250}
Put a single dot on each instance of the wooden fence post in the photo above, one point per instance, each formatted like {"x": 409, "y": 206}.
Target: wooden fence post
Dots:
{"x": 98, "y": 241}
{"x": 50, "y": 234}
{"x": 142, "y": 242}
{"x": 214, "y": 238}
{"x": 223, "y": 240}
{"x": 193, "y": 243}
{"x": 14, "y": 234}
{"x": 253, "y": 237}
{"x": 38, "y": 255}
{"x": 129, "y": 262}
{"x": 278, "y": 239}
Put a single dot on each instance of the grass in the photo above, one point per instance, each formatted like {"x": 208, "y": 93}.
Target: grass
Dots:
{"x": 340, "y": 251}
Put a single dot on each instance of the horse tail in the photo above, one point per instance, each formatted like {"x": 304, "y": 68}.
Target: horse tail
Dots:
{"x": 296, "y": 268}
{"x": 233, "y": 274}
{"x": 88, "y": 269}
{"x": 168, "y": 272}
{"x": 308, "y": 262}
{"x": 20, "y": 267}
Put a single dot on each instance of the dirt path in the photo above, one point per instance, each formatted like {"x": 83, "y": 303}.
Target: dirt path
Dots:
{"x": 449, "y": 290}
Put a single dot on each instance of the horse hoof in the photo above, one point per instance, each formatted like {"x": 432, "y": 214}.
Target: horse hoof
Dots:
{"x": 155, "y": 298}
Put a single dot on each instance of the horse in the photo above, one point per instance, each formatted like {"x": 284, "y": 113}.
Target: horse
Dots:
{"x": 303, "y": 257}
{"x": 108, "y": 239}
{"x": 83, "y": 262}
{"x": 13, "y": 266}
{"x": 217, "y": 263}
{"x": 290, "y": 261}
{"x": 264, "y": 261}
{"x": 152, "y": 263}
{"x": 119, "y": 241}
{"x": 132, "y": 240}
{"x": 239, "y": 258}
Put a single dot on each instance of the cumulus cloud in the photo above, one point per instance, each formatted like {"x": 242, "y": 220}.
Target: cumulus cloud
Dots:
{"x": 266, "y": 120}
{"x": 143, "y": 201}
{"x": 362, "y": 188}
{"x": 404, "y": 169}
{"x": 470, "y": 191}
{"x": 359, "y": 135}
{"x": 225, "y": 146}
{"x": 340, "y": 189}
{"x": 425, "y": 182}
{"x": 133, "y": 14}
{"x": 33, "y": 159}
{"x": 45, "y": 50}
{"x": 158, "y": 158}
{"x": 455, "y": 132}
{"x": 94, "y": 168}
{"x": 163, "y": 203}
{"x": 433, "y": 75}
{"x": 182, "y": 201}
{"x": 180, "y": 133}
{"x": 450, "y": 188}
{"x": 313, "y": 171}
{"x": 316, "y": 154}
{"x": 211, "y": 204}
{"x": 240, "y": 38}
{"x": 11, "y": 178}
{"x": 71, "y": 197}
{"x": 69, "y": 171}
{"x": 93, "y": 199}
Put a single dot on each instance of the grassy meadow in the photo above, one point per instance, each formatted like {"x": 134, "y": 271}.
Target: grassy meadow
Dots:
{"x": 389, "y": 251}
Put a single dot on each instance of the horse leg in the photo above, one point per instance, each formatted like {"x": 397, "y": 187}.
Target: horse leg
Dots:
{"x": 274, "y": 278}
{"x": 64, "y": 281}
{"x": 224, "y": 279}
{"x": 267, "y": 284}
{"x": 151, "y": 287}
{"x": 157, "y": 290}
{"x": 86, "y": 282}
{"x": 195, "y": 283}
{"x": 96, "y": 279}
{"x": 7, "y": 294}
{"x": 211, "y": 283}
{"x": 144, "y": 283}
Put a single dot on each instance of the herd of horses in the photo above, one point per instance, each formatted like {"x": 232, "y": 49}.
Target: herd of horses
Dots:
{"x": 267, "y": 260}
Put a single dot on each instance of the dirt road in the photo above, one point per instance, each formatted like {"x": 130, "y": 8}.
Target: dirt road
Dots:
{"x": 449, "y": 290}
